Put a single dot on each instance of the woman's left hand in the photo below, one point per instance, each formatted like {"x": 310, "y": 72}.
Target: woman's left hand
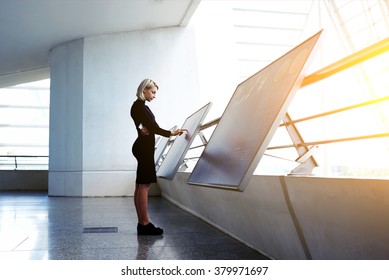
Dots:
{"x": 144, "y": 131}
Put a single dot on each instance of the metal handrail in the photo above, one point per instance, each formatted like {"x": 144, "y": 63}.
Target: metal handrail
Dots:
{"x": 315, "y": 143}
{"x": 367, "y": 103}
{"x": 347, "y": 62}
{"x": 21, "y": 156}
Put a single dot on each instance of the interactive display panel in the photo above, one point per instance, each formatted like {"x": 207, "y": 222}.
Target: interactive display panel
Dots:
{"x": 162, "y": 143}
{"x": 250, "y": 120}
{"x": 181, "y": 144}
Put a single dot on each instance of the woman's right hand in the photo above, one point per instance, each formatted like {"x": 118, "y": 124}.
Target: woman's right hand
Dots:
{"x": 179, "y": 131}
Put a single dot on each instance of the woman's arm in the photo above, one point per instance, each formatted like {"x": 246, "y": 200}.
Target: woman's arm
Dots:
{"x": 145, "y": 117}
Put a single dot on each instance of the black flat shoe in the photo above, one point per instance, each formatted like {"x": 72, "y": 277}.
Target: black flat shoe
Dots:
{"x": 149, "y": 229}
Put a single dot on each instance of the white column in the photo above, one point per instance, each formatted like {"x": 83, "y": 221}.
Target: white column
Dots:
{"x": 94, "y": 82}
{"x": 66, "y": 105}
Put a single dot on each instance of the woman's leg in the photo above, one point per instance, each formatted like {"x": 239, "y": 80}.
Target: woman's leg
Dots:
{"x": 141, "y": 196}
{"x": 136, "y": 199}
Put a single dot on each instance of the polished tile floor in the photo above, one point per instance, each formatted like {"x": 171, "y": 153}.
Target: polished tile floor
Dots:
{"x": 34, "y": 226}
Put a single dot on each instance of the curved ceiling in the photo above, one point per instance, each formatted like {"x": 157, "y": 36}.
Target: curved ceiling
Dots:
{"x": 30, "y": 29}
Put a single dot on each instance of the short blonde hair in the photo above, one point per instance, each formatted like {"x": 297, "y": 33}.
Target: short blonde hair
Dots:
{"x": 145, "y": 84}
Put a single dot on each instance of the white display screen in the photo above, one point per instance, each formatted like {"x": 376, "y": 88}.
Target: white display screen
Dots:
{"x": 181, "y": 144}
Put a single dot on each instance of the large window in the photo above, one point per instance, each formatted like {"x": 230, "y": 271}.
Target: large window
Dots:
{"x": 344, "y": 118}
{"x": 24, "y": 126}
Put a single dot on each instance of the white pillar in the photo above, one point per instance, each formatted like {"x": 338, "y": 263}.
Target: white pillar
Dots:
{"x": 93, "y": 84}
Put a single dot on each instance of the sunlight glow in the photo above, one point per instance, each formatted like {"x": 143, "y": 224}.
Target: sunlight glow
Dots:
{"x": 264, "y": 30}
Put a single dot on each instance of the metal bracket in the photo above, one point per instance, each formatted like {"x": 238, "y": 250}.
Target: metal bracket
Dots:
{"x": 306, "y": 159}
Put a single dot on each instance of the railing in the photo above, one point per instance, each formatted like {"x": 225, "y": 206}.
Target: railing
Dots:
{"x": 18, "y": 162}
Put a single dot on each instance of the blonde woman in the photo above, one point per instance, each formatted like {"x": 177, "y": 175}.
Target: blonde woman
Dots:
{"x": 143, "y": 150}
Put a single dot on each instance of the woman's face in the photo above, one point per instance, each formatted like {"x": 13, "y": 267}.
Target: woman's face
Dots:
{"x": 150, "y": 93}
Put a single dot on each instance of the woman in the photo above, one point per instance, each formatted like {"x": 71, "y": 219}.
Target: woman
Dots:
{"x": 143, "y": 150}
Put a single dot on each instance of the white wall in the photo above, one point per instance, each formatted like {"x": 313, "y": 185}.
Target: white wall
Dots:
{"x": 23, "y": 180}
{"x": 94, "y": 81}
{"x": 293, "y": 218}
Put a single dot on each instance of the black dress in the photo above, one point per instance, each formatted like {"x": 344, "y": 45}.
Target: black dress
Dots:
{"x": 143, "y": 148}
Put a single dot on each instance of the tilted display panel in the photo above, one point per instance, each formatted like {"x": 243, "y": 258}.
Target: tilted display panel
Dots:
{"x": 161, "y": 144}
{"x": 179, "y": 148}
{"x": 250, "y": 120}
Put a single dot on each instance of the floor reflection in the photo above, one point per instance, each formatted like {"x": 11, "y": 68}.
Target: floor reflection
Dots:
{"x": 34, "y": 226}
{"x": 145, "y": 243}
